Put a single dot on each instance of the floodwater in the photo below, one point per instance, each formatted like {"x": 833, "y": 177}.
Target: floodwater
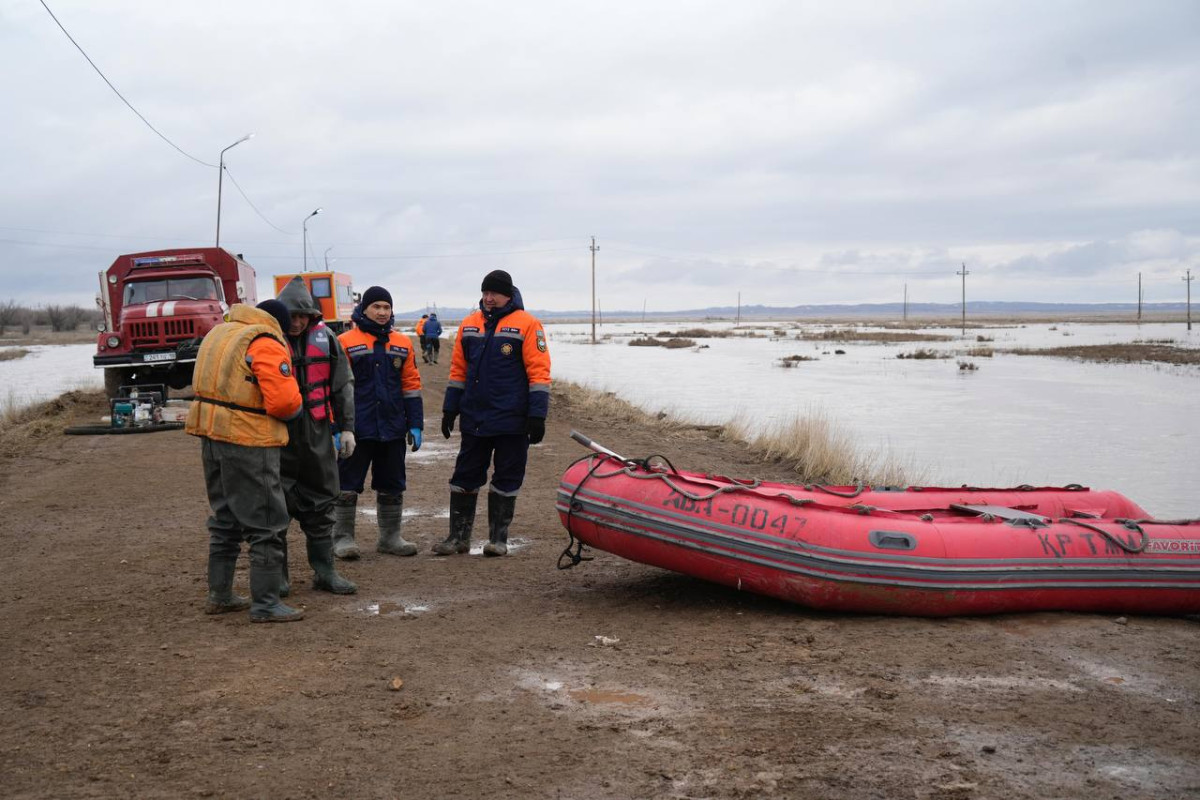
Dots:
{"x": 47, "y": 372}
{"x": 1014, "y": 420}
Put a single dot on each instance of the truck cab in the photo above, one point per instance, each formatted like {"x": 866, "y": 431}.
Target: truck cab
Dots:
{"x": 333, "y": 292}
{"x": 157, "y": 308}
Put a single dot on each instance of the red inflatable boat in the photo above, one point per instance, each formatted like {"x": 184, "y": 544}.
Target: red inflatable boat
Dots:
{"x": 913, "y": 551}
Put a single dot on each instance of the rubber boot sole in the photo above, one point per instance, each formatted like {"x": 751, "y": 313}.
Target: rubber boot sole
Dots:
{"x": 295, "y": 617}
{"x": 321, "y": 585}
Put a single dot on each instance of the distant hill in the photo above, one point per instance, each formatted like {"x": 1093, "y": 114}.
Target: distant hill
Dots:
{"x": 980, "y": 307}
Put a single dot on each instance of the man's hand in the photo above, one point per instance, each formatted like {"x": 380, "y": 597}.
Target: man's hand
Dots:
{"x": 448, "y": 418}
{"x": 536, "y": 428}
{"x": 347, "y": 448}
{"x": 414, "y": 438}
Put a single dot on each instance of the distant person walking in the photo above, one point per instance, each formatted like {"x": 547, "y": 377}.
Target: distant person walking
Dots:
{"x": 420, "y": 330}
{"x": 432, "y": 338}
{"x": 500, "y": 386}
{"x": 245, "y": 393}
{"x": 308, "y": 464}
{"x": 389, "y": 412}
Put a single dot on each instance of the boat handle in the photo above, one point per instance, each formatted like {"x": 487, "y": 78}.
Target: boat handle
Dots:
{"x": 892, "y": 540}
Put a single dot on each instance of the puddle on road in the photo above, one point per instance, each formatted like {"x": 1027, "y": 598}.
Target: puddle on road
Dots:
{"x": 443, "y": 513}
{"x": 579, "y": 695}
{"x": 393, "y": 608}
{"x": 515, "y": 543}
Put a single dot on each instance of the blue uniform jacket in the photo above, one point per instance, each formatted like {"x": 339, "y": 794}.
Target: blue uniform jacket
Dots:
{"x": 387, "y": 386}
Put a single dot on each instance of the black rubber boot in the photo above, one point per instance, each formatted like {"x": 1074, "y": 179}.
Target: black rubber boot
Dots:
{"x": 462, "y": 519}
{"x": 285, "y": 578}
{"x": 500, "y": 514}
{"x": 325, "y": 576}
{"x": 265, "y": 559}
{"x": 221, "y": 598}
{"x": 344, "y": 511}
{"x": 391, "y": 515}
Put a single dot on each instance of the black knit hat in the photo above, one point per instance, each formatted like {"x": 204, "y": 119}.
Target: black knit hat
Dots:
{"x": 279, "y": 311}
{"x": 374, "y": 295}
{"x": 498, "y": 281}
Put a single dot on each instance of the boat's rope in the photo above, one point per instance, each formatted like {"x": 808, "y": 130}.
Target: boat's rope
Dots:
{"x": 1131, "y": 524}
{"x": 574, "y": 558}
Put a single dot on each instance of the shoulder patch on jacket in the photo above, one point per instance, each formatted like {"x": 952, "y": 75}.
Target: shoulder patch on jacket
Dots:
{"x": 284, "y": 369}
{"x": 541, "y": 340}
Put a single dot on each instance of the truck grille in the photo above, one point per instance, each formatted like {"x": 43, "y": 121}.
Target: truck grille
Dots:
{"x": 161, "y": 332}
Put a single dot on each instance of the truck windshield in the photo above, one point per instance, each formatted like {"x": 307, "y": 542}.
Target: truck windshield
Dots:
{"x": 171, "y": 289}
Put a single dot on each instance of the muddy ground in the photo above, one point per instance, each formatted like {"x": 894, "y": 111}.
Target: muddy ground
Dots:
{"x": 117, "y": 685}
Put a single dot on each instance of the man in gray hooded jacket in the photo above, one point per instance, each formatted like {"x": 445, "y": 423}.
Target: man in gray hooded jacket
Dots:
{"x": 308, "y": 464}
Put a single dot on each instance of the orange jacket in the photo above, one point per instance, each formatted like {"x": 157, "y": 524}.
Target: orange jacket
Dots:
{"x": 499, "y": 373}
{"x": 244, "y": 383}
{"x": 421, "y": 326}
{"x": 387, "y": 385}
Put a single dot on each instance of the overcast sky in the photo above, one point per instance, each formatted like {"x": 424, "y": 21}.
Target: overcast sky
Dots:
{"x": 797, "y": 152}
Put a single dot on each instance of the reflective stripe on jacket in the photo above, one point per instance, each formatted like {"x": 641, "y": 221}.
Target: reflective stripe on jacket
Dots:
{"x": 387, "y": 385}
{"x": 499, "y": 373}
{"x": 243, "y": 382}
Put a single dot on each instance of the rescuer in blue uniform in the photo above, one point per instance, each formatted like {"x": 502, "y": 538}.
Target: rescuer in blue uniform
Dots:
{"x": 431, "y": 338}
{"x": 500, "y": 386}
{"x": 389, "y": 412}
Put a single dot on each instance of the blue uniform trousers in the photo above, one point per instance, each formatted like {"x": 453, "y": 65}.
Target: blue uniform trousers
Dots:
{"x": 386, "y": 462}
{"x": 508, "y": 454}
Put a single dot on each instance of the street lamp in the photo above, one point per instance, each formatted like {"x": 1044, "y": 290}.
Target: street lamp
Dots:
{"x": 305, "y": 226}
{"x": 220, "y": 178}
{"x": 327, "y": 249}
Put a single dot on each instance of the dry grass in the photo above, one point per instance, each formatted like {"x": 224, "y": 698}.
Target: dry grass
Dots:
{"x": 697, "y": 333}
{"x": 670, "y": 344}
{"x": 855, "y": 335}
{"x": 13, "y": 353}
{"x": 980, "y": 352}
{"x": 21, "y": 426}
{"x": 922, "y": 354}
{"x": 812, "y": 446}
{"x": 818, "y": 451}
{"x": 1118, "y": 353}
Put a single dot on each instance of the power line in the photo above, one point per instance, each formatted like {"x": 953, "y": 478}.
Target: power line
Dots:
{"x": 256, "y": 211}
{"x": 115, "y": 91}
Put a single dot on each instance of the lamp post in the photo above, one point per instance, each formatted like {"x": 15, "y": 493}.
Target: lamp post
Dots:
{"x": 220, "y": 180}
{"x": 327, "y": 249}
{"x": 305, "y": 226}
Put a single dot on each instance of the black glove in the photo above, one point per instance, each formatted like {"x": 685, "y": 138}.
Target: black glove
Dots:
{"x": 536, "y": 428}
{"x": 448, "y": 418}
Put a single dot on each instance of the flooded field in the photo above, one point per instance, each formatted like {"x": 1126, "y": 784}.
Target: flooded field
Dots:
{"x": 1010, "y": 420}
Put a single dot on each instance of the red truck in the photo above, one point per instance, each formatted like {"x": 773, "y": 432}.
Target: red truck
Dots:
{"x": 157, "y": 308}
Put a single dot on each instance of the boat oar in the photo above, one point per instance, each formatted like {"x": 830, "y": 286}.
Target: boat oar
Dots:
{"x": 597, "y": 447}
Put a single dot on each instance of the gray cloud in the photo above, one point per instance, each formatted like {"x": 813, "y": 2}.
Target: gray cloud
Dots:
{"x": 771, "y": 147}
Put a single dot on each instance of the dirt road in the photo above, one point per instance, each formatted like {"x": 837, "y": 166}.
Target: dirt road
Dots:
{"x": 117, "y": 685}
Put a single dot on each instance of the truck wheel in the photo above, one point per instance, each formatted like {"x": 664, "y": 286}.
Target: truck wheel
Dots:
{"x": 114, "y": 379}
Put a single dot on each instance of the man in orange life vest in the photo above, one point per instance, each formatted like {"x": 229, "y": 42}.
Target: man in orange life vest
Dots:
{"x": 500, "y": 386}
{"x": 245, "y": 390}
{"x": 389, "y": 411}
{"x": 308, "y": 464}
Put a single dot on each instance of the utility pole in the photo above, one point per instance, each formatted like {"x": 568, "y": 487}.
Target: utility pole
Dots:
{"x": 738, "y": 320}
{"x": 1188, "y": 280}
{"x": 594, "y": 248}
{"x": 906, "y": 302}
{"x": 1139, "y": 319}
{"x": 964, "y": 274}
{"x": 643, "y": 311}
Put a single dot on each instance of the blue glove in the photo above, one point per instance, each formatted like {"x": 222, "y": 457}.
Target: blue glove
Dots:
{"x": 414, "y": 438}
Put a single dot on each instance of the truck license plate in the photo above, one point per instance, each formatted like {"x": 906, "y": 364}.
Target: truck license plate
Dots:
{"x": 158, "y": 357}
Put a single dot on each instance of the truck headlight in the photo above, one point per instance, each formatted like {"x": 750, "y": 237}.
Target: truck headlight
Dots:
{"x": 113, "y": 341}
